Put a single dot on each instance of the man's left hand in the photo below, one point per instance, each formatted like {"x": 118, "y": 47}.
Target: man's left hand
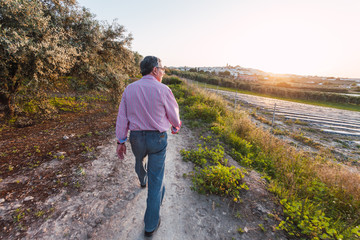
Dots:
{"x": 175, "y": 130}
{"x": 121, "y": 150}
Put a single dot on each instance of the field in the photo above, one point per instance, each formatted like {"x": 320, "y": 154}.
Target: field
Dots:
{"x": 42, "y": 160}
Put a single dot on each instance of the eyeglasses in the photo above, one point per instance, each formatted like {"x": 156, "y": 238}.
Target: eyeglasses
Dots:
{"x": 162, "y": 68}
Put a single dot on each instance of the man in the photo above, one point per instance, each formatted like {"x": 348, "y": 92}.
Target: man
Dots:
{"x": 148, "y": 109}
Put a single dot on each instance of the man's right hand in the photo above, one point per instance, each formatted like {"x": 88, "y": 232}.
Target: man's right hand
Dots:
{"x": 121, "y": 150}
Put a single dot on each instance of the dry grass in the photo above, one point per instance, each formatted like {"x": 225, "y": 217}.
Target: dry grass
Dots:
{"x": 343, "y": 178}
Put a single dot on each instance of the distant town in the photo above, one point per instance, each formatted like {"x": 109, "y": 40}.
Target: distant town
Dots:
{"x": 250, "y": 74}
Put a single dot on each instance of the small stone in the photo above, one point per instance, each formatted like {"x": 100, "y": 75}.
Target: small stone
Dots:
{"x": 98, "y": 220}
{"x": 28, "y": 198}
{"x": 2, "y": 200}
{"x": 65, "y": 137}
{"x": 16, "y": 205}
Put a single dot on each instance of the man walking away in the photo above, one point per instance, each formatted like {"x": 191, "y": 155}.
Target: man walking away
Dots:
{"x": 148, "y": 109}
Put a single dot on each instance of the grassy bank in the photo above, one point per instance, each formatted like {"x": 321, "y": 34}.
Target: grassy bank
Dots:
{"x": 321, "y": 199}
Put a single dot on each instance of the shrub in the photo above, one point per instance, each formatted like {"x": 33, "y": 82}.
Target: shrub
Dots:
{"x": 220, "y": 180}
{"x": 171, "y": 80}
{"x": 204, "y": 155}
{"x": 203, "y": 112}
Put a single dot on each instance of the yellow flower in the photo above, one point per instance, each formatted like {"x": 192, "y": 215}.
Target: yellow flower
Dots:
{"x": 235, "y": 199}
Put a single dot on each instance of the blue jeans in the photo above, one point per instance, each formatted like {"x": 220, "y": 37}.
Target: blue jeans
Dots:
{"x": 152, "y": 144}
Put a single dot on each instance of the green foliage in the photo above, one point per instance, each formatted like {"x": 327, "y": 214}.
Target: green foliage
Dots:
{"x": 262, "y": 227}
{"x": 19, "y": 214}
{"x": 206, "y": 113}
{"x": 220, "y": 180}
{"x": 30, "y": 107}
{"x": 240, "y": 230}
{"x": 34, "y": 51}
{"x": 44, "y": 41}
{"x": 172, "y": 80}
{"x": 67, "y": 104}
{"x": 10, "y": 167}
{"x": 203, "y": 155}
{"x": 39, "y": 213}
{"x": 277, "y": 131}
{"x": 301, "y": 138}
{"x": 305, "y": 218}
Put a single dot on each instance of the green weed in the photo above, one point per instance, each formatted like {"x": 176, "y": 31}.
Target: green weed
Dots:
{"x": 220, "y": 180}
{"x": 262, "y": 227}
{"x": 10, "y": 167}
{"x": 301, "y": 138}
{"x": 67, "y": 104}
{"x": 299, "y": 122}
{"x": 3, "y": 154}
{"x": 19, "y": 214}
{"x": 204, "y": 154}
{"x": 37, "y": 149}
{"x": 240, "y": 230}
{"x": 278, "y": 131}
{"x": 39, "y": 213}
{"x": 34, "y": 164}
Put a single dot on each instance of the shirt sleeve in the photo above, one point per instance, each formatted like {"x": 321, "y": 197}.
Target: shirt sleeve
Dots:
{"x": 122, "y": 122}
{"x": 172, "y": 109}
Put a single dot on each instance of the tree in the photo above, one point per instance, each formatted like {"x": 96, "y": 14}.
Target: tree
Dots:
{"x": 33, "y": 51}
{"x": 42, "y": 40}
{"x": 225, "y": 73}
{"x": 105, "y": 60}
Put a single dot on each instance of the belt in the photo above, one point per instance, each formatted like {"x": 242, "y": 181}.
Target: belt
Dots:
{"x": 146, "y": 131}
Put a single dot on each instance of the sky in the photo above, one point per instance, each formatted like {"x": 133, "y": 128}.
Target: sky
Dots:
{"x": 306, "y": 37}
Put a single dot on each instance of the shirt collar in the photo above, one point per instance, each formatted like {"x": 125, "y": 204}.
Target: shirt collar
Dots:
{"x": 150, "y": 77}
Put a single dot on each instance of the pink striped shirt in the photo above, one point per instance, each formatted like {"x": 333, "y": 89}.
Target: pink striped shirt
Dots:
{"x": 146, "y": 105}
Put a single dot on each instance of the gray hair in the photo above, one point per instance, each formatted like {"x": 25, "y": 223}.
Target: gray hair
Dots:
{"x": 148, "y": 64}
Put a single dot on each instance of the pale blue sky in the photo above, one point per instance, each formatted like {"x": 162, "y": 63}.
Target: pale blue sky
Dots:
{"x": 309, "y": 37}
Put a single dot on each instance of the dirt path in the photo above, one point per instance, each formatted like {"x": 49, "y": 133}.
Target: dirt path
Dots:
{"x": 111, "y": 204}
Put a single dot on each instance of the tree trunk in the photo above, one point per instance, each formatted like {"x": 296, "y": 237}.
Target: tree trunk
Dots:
{"x": 9, "y": 108}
